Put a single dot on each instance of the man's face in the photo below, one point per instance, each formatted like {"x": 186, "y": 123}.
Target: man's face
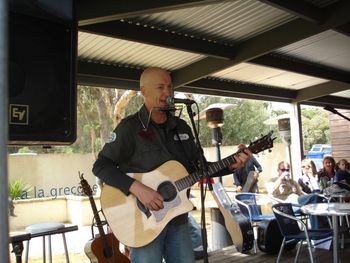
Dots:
{"x": 156, "y": 89}
{"x": 284, "y": 170}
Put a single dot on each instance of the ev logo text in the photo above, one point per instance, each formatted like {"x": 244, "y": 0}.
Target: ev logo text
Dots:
{"x": 19, "y": 114}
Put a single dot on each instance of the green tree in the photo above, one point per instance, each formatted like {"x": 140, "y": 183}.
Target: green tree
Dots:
{"x": 243, "y": 122}
{"x": 315, "y": 127}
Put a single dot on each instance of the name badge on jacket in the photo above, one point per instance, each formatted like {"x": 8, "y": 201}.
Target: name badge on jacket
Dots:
{"x": 183, "y": 137}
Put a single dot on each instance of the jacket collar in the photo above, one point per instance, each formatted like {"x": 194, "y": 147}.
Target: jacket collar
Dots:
{"x": 144, "y": 117}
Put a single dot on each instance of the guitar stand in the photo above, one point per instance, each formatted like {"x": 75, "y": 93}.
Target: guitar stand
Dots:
{"x": 17, "y": 245}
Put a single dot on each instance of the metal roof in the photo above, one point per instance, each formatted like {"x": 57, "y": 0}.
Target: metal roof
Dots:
{"x": 290, "y": 51}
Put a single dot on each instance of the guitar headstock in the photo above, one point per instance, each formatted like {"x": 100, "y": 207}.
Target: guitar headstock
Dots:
{"x": 85, "y": 185}
{"x": 264, "y": 143}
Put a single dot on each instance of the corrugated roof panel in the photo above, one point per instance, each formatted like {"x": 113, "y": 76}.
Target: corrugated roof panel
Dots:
{"x": 115, "y": 51}
{"x": 268, "y": 76}
{"x": 328, "y": 48}
{"x": 227, "y": 22}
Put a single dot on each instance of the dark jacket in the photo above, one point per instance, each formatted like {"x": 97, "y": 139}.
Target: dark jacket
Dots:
{"x": 241, "y": 174}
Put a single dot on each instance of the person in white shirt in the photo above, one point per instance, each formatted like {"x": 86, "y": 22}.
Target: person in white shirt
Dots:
{"x": 309, "y": 178}
{"x": 285, "y": 188}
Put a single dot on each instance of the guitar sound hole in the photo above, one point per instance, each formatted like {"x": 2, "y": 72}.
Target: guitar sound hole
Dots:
{"x": 167, "y": 190}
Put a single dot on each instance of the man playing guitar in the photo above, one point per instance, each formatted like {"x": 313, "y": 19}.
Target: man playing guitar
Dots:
{"x": 246, "y": 177}
{"x": 141, "y": 143}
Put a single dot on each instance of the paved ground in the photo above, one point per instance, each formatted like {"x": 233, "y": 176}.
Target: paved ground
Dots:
{"x": 76, "y": 241}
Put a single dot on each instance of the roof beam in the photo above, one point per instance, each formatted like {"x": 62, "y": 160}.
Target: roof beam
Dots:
{"x": 99, "y": 75}
{"x": 302, "y": 9}
{"x": 344, "y": 29}
{"x": 321, "y": 90}
{"x": 128, "y": 78}
{"x": 93, "y": 74}
{"x": 239, "y": 89}
{"x": 334, "y": 101}
{"x": 302, "y": 67}
{"x": 97, "y": 11}
{"x": 263, "y": 43}
{"x": 152, "y": 36}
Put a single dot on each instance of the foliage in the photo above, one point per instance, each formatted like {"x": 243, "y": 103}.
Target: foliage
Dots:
{"x": 243, "y": 123}
{"x": 25, "y": 150}
{"x": 17, "y": 189}
{"x": 315, "y": 126}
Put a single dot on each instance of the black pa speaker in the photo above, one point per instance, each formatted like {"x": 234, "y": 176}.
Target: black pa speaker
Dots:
{"x": 42, "y": 72}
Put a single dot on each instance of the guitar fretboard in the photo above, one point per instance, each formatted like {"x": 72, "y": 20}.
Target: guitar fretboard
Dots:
{"x": 195, "y": 177}
{"x": 265, "y": 142}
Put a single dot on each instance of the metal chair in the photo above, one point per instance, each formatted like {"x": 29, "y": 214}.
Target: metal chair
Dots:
{"x": 47, "y": 230}
{"x": 294, "y": 229}
{"x": 252, "y": 210}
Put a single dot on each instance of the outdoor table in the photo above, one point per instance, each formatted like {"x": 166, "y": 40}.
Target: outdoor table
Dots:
{"x": 329, "y": 209}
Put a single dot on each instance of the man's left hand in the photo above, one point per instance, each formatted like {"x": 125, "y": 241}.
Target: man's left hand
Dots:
{"x": 241, "y": 158}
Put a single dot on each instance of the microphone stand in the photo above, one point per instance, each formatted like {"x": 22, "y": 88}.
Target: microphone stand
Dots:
{"x": 204, "y": 169}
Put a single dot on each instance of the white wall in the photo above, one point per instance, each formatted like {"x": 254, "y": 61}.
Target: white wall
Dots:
{"x": 53, "y": 175}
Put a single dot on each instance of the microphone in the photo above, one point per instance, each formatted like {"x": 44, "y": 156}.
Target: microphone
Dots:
{"x": 171, "y": 101}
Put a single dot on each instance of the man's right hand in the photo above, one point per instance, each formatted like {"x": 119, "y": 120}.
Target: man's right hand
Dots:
{"x": 150, "y": 198}
{"x": 239, "y": 189}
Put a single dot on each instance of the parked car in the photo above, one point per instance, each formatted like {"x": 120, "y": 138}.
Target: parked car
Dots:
{"x": 317, "y": 152}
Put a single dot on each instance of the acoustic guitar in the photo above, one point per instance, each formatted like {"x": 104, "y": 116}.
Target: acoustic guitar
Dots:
{"x": 136, "y": 226}
{"x": 252, "y": 180}
{"x": 105, "y": 247}
{"x": 238, "y": 226}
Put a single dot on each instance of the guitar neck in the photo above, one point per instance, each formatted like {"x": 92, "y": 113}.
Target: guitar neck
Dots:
{"x": 265, "y": 142}
{"x": 96, "y": 216}
{"x": 213, "y": 168}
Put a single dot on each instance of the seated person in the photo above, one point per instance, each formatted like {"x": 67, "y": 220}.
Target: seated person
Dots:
{"x": 309, "y": 179}
{"x": 285, "y": 188}
{"x": 316, "y": 222}
{"x": 326, "y": 175}
{"x": 241, "y": 174}
{"x": 342, "y": 171}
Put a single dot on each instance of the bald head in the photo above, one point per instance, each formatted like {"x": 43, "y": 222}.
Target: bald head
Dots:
{"x": 149, "y": 75}
{"x": 156, "y": 87}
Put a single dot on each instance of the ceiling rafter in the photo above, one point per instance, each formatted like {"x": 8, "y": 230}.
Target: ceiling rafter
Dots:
{"x": 307, "y": 11}
{"x": 93, "y": 11}
{"x": 344, "y": 29}
{"x": 302, "y": 9}
{"x": 262, "y": 44}
{"x": 113, "y": 76}
{"x": 153, "y": 36}
{"x": 300, "y": 66}
{"x": 320, "y": 90}
{"x": 128, "y": 78}
{"x": 147, "y": 35}
{"x": 258, "y": 50}
{"x": 334, "y": 101}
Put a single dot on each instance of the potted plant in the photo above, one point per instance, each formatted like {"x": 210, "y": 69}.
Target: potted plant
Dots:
{"x": 16, "y": 190}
